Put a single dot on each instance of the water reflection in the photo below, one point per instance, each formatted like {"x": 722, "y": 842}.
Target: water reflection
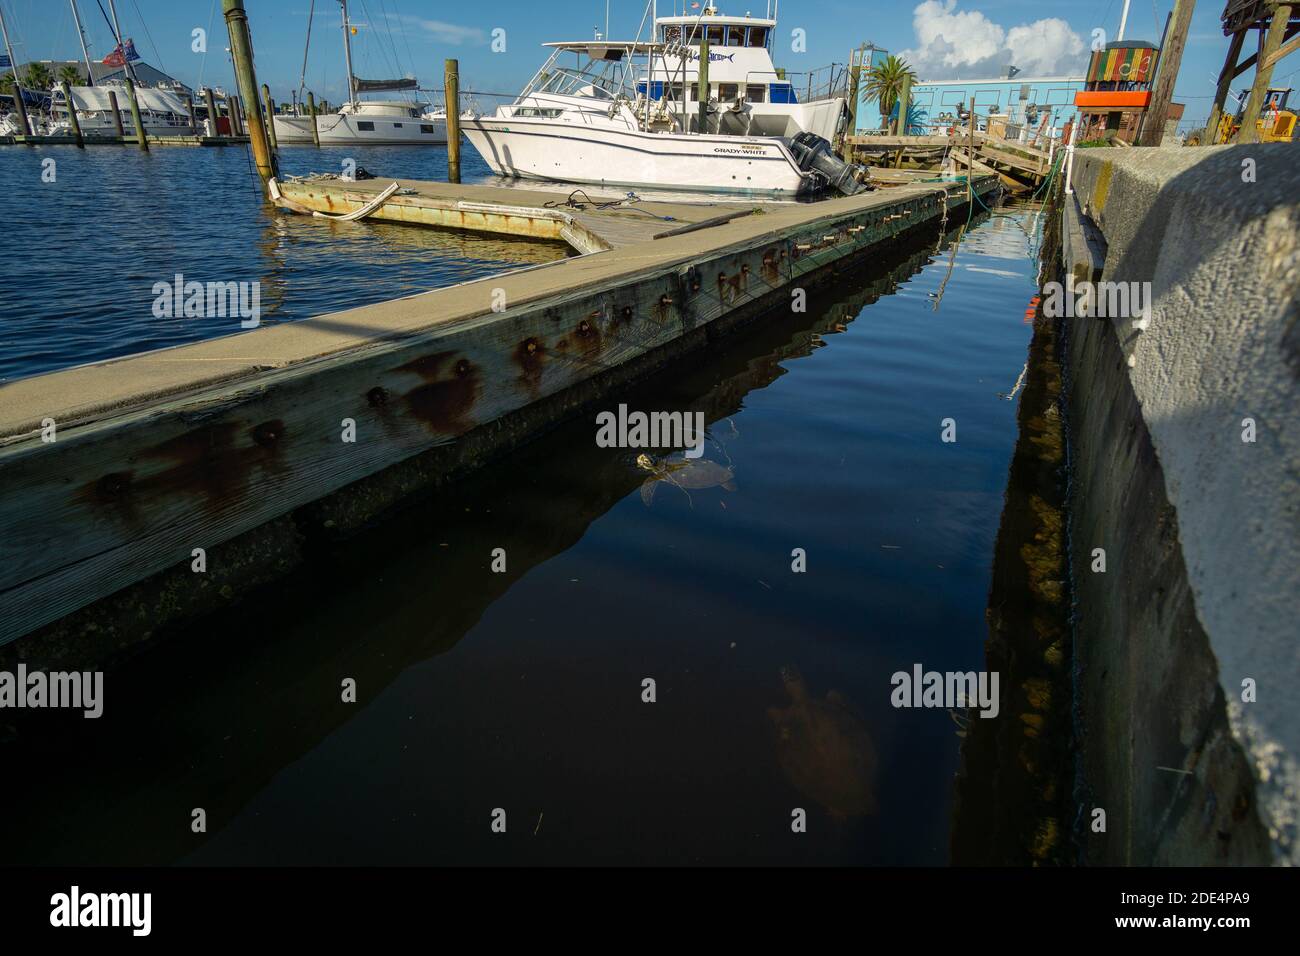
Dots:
{"x": 522, "y": 688}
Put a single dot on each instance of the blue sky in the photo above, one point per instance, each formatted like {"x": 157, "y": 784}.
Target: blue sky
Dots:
{"x": 406, "y": 37}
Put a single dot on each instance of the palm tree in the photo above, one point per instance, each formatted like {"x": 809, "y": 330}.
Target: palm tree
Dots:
{"x": 38, "y": 77}
{"x": 68, "y": 73}
{"x": 885, "y": 82}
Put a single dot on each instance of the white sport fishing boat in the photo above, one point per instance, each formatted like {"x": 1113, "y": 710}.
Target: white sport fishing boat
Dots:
{"x": 747, "y": 94}
{"x": 579, "y": 120}
{"x": 367, "y": 122}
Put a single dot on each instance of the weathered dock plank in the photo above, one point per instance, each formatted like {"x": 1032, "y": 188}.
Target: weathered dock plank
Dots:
{"x": 185, "y": 448}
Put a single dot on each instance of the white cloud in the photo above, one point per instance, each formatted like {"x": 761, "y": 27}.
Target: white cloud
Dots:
{"x": 442, "y": 32}
{"x": 952, "y": 44}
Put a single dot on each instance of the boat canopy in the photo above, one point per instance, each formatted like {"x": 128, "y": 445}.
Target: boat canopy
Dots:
{"x": 381, "y": 86}
{"x": 95, "y": 99}
{"x": 607, "y": 49}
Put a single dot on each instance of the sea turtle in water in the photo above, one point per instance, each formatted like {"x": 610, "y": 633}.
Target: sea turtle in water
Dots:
{"x": 685, "y": 473}
{"x": 825, "y": 749}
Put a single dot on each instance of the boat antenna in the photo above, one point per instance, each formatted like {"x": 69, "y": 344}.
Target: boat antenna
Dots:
{"x": 347, "y": 53}
{"x": 85, "y": 50}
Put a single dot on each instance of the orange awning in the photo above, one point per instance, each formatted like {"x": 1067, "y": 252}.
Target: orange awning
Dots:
{"x": 1102, "y": 100}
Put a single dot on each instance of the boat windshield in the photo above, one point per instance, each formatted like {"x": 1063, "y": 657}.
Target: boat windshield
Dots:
{"x": 599, "y": 74}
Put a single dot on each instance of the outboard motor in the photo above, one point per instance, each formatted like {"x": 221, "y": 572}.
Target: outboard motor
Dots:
{"x": 814, "y": 155}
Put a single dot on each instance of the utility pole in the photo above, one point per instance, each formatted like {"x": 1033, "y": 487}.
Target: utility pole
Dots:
{"x": 1171, "y": 58}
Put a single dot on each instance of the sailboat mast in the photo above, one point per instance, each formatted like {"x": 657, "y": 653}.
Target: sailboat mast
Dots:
{"x": 85, "y": 50}
{"x": 13, "y": 64}
{"x": 347, "y": 53}
{"x": 117, "y": 29}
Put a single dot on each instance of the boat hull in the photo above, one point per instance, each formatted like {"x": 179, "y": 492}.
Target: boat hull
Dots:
{"x": 337, "y": 129}
{"x": 603, "y": 155}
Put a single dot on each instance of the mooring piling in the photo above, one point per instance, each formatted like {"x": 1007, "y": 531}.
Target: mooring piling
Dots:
{"x": 72, "y": 114}
{"x": 141, "y": 137}
{"x": 117, "y": 115}
{"x": 211, "y": 102}
{"x": 451, "y": 95}
{"x": 241, "y": 50}
{"x": 270, "y": 116}
{"x": 311, "y": 111}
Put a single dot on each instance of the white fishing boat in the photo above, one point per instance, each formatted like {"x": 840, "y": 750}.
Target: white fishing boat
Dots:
{"x": 366, "y": 122}
{"x": 576, "y": 122}
{"x": 747, "y": 95}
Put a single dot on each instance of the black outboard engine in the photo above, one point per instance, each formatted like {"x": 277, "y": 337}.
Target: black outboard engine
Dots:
{"x": 815, "y": 155}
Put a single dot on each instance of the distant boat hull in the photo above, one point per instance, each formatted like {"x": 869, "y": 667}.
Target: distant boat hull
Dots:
{"x": 600, "y": 154}
{"x": 337, "y": 129}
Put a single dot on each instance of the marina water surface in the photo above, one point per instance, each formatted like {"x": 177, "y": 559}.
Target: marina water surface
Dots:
{"x": 525, "y": 691}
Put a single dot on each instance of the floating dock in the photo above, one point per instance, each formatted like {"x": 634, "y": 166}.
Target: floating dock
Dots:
{"x": 210, "y": 445}
{"x": 180, "y": 139}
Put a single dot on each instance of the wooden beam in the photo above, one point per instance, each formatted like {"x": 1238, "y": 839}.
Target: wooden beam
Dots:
{"x": 1171, "y": 58}
{"x": 1287, "y": 48}
{"x": 1272, "y": 44}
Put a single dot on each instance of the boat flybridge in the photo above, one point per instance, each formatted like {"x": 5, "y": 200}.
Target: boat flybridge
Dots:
{"x": 582, "y": 120}
{"x": 367, "y": 122}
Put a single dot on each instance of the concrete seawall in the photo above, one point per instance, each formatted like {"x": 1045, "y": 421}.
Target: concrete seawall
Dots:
{"x": 1199, "y": 525}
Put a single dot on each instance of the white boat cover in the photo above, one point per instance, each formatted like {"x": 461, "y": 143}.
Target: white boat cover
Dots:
{"x": 95, "y": 98}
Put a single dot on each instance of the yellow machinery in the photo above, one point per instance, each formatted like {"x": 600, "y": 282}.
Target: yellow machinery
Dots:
{"x": 1276, "y": 123}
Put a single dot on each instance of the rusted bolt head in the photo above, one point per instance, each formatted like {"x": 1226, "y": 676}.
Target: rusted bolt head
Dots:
{"x": 462, "y": 368}
{"x": 377, "y": 396}
{"x": 268, "y": 433}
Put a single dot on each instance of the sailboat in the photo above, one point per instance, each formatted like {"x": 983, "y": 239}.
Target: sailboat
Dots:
{"x": 366, "y": 122}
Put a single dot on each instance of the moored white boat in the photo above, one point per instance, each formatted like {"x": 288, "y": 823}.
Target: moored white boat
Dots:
{"x": 366, "y": 122}
{"x": 575, "y": 122}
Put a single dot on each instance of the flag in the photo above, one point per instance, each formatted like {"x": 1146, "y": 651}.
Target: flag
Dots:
{"x": 118, "y": 58}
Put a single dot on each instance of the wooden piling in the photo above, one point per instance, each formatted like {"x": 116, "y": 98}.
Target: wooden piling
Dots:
{"x": 189, "y": 109}
{"x": 141, "y": 137}
{"x": 72, "y": 114}
{"x": 1264, "y": 72}
{"x": 241, "y": 50}
{"x": 970, "y": 154}
{"x": 270, "y": 116}
{"x": 117, "y": 115}
{"x": 1171, "y": 57}
{"x": 311, "y": 111}
{"x": 232, "y": 114}
{"x": 211, "y": 103}
{"x": 451, "y": 96}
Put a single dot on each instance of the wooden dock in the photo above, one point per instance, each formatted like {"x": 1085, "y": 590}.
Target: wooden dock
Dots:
{"x": 208, "y": 445}
{"x": 180, "y": 139}
{"x": 1019, "y": 165}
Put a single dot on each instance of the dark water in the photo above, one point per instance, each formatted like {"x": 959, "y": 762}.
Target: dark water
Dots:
{"x": 83, "y": 252}
{"x": 523, "y": 690}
